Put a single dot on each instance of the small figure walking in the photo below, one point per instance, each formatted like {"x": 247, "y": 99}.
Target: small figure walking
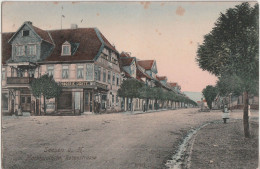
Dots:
{"x": 225, "y": 114}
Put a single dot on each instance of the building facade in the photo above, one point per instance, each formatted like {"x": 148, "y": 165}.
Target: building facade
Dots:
{"x": 81, "y": 60}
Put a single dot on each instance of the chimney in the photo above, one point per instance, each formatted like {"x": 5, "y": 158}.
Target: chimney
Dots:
{"x": 28, "y": 22}
{"x": 74, "y": 26}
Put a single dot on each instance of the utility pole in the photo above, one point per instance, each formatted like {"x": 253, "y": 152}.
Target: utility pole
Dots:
{"x": 62, "y": 16}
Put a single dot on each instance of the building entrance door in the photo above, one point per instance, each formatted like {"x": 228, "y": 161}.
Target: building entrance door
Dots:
{"x": 88, "y": 101}
{"x": 26, "y": 103}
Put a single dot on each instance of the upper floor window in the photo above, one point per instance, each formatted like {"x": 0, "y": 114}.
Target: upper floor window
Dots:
{"x": 97, "y": 72}
{"x": 50, "y": 70}
{"x": 113, "y": 82}
{"x": 65, "y": 72}
{"x": 89, "y": 71}
{"x": 109, "y": 77}
{"x": 80, "y": 70}
{"x": 31, "y": 72}
{"x": 104, "y": 75}
{"x": 117, "y": 79}
{"x": 26, "y": 33}
{"x": 20, "y": 50}
{"x": 31, "y": 50}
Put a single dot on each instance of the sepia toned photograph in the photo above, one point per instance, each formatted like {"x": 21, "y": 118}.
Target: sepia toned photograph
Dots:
{"x": 129, "y": 85}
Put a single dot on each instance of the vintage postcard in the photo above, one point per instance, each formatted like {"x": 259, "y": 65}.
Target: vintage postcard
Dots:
{"x": 126, "y": 85}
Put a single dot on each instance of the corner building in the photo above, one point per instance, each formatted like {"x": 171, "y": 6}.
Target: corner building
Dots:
{"x": 81, "y": 60}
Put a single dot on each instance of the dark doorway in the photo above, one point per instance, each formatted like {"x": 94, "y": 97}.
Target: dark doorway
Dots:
{"x": 65, "y": 100}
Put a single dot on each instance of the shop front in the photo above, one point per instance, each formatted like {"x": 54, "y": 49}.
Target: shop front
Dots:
{"x": 80, "y": 97}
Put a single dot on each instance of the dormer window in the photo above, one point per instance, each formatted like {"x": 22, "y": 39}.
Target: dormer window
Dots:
{"x": 26, "y": 33}
{"x": 66, "y": 49}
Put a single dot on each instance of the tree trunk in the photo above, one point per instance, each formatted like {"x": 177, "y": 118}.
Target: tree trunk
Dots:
{"x": 44, "y": 106}
{"x": 245, "y": 117}
{"x": 131, "y": 104}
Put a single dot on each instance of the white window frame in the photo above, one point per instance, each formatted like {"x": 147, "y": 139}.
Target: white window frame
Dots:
{"x": 90, "y": 75}
{"x": 20, "y": 50}
{"x": 113, "y": 79}
{"x": 49, "y": 68}
{"x": 69, "y": 52}
{"x": 65, "y": 67}
{"x": 31, "y": 50}
{"x": 80, "y": 67}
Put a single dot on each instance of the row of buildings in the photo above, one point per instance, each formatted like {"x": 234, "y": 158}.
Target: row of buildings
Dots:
{"x": 81, "y": 60}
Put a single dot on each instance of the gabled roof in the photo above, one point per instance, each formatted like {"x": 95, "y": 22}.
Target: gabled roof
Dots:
{"x": 43, "y": 34}
{"x": 141, "y": 74}
{"x": 127, "y": 61}
{"x": 6, "y": 47}
{"x": 146, "y": 64}
{"x": 87, "y": 43}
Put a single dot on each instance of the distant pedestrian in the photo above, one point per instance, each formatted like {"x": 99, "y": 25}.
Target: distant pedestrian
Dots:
{"x": 249, "y": 111}
{"x": 225, "y": 114}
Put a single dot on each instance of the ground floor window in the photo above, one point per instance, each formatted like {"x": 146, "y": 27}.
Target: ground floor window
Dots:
{"x": 5, "y": 101}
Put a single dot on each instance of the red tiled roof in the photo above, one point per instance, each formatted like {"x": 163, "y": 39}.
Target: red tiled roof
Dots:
{"x": 126, "y": 61}
{"x": 89, "y": 44}
{"x": 124, "y": 54}
{"x": 87, "y": 39}
{"x": 108, "y": 44}
{"x": 146, "y": 64}
{"x": 141, "y": 74}
{"x": 43, "y": 34}
{"x": 6, "y": 47}
{"x": 173, "y": 84}
{"x": 161, "y": 78}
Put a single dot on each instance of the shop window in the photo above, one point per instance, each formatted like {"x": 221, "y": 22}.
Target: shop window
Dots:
{"x": 3, "y": 74}
{"x": 80, "y": 70}
{"x": 5, "y": 101}
{"x": 22, "y": 99}
{"x": 28, "y": 99}
{"x": 113, "y": 99}
{"x": 117, "y": 100}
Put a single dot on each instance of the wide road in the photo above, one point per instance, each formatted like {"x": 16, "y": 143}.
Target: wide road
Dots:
{"x": 124, "y": 141}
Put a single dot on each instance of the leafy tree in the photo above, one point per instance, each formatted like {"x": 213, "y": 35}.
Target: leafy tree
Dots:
{"x": 231, "y": 49}
{"x": 130, "y": 89}
{"x": 45, "y": 86}
{"x": 210, "y": 93}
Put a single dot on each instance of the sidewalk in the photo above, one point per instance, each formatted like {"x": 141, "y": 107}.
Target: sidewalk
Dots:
{"x": 149, "y": 111}
{"x": 219, "y": 145}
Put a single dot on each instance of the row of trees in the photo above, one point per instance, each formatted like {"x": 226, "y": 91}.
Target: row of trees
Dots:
{"x": 132, "y": 88}
{"x": 231, "y": 52}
